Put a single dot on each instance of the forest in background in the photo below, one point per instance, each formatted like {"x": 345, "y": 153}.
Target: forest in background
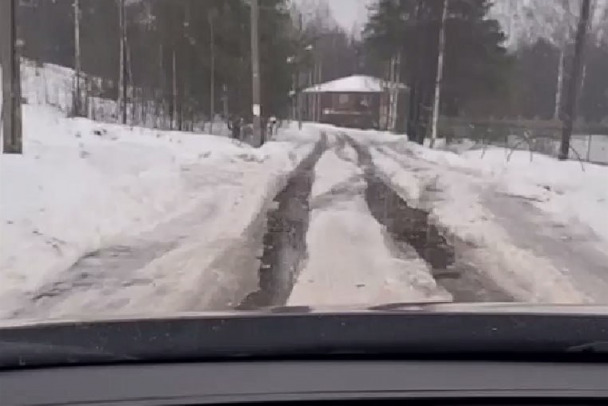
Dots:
{"x": 188, "y": 58}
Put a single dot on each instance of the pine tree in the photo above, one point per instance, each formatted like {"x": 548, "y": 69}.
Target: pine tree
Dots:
{"x": 475, "y": 56}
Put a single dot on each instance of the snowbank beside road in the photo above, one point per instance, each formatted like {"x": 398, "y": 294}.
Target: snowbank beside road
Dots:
{"x": 489, "y": 210}
{"x": 567, "y": 190}
{"x": 349, "y": 261}
{"x": 81, "y": 186}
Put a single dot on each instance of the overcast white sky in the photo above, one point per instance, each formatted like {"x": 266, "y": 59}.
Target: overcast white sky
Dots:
{"x": 349, "y": 12}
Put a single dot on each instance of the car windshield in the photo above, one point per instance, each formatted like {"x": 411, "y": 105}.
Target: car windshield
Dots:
{"x": 163, "y": 157}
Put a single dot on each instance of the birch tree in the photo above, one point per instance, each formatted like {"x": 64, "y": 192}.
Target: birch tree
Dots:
{"x": 395, "y": 82}
{"x": 556, "y": 21}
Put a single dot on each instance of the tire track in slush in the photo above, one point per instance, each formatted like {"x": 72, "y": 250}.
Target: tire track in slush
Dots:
{"x": 285, "y": 237}
{"x": 412, "y": 226}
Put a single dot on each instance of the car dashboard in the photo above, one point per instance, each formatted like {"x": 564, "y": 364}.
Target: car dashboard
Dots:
{"x": 310, "y": 382}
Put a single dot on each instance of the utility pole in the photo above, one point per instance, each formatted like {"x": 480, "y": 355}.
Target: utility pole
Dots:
{"x": 318, "y": 108}
{"x": 255, "y": 67}
{"x": 77, "y": 102}
{"x": 212, "y": 79}
{"x": 122, "y": 91}
{"x": 439, "y": 77}
{"x": 570, "y": 108}
{"x": 225, "y": 101}
{"x": 414, "y": 130}
{"x": 11, "y": 79}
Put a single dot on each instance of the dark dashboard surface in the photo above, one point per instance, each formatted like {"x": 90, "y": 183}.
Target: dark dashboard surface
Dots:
{"x": 288, "y": 381}
{"x": 417, "y": 353}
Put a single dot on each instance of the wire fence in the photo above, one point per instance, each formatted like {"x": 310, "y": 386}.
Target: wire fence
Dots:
{"x": 589, "y": 142}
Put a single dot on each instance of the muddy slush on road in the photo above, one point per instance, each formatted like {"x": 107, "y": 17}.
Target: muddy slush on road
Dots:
{"x": 285, "y": 237}
{"x": 409, "y": 225}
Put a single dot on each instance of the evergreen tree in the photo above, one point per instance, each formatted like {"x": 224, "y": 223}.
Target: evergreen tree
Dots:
{"x": 168, "y": 55}
{"x": 476, "y": 60}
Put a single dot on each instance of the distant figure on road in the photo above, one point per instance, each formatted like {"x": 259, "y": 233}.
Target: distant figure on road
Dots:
{"x": 272, "y": 126}
{"x": 235, "y": 123}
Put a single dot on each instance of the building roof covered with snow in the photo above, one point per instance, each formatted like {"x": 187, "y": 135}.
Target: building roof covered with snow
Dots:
{"x": 353, "y": 84}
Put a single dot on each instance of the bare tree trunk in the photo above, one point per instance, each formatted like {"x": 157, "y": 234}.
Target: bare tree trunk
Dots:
{"x": 385, "y": 96}
{"x": 394, "y": 91}
{"x": 129, "y": 82}
{"x": 225, "y": 102}
{"x": 570, "y": 109}
{"x": 77, "y": 97}
{"x": 11, "y": 79}
{"x": 143, "y": 107}
{"x": 391, "y": 94}
{"x": 560, "y": 85}
{"x": 415, "y": 96}
{"x": 318, "y": 81}
{"x": 160, "y": 102}
{"x": 212, "y": 84}
{"x": 255, "y": 67}
{"x": 439, "y": 77}
{"x": 294, "y": 97}
{"x": 315, "y": 96}
{"x": 174, "y": 89}
{"x": 122, "y": 91}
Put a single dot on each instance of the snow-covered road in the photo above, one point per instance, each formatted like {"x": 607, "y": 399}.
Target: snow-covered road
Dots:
{"x": 351, "y": 259}
{"x": 114, "y": 221}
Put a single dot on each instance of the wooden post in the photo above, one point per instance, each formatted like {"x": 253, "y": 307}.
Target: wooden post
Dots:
{"x": 255, "y": 70}
{"x": 77, "y": 102}
{"x": 11, "y": 79}
{"x": 212, "y": 79}
{"x": 122, "y": 91}
{"x": 439, "y": 75}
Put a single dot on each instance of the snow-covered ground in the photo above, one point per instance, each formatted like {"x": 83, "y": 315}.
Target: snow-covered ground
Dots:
{"x": 536, "y": 226}
{"x": 349, "y": 257}
{"x": 82, "y": 187}
{"x": 103, "y": 219}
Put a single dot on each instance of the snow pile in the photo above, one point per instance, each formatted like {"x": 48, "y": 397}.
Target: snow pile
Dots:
{"x": 81, "y": 186}
{"x": 47, "y": 84}
{"x": 349, "y": 260}
{"x": 568, "y": 190}
{"x": 463, "y": 209}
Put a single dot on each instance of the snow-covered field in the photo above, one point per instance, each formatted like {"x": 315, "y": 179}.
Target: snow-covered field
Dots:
{"x": 103, "y": 219}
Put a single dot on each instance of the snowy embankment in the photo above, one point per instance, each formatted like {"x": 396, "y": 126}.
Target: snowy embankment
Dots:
{"x": 538, "y": 228}
{"x": 569, "y": 191}
{"x": 349, "y": 259}
{"x": 83, "y": 186}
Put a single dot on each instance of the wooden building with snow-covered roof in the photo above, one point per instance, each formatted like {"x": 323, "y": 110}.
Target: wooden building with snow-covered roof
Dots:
{"x": 357, "y": 101}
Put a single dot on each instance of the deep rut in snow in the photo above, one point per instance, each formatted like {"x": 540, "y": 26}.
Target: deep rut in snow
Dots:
{"x": 285, "y": 237}
{"x": 410, "y": 225}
